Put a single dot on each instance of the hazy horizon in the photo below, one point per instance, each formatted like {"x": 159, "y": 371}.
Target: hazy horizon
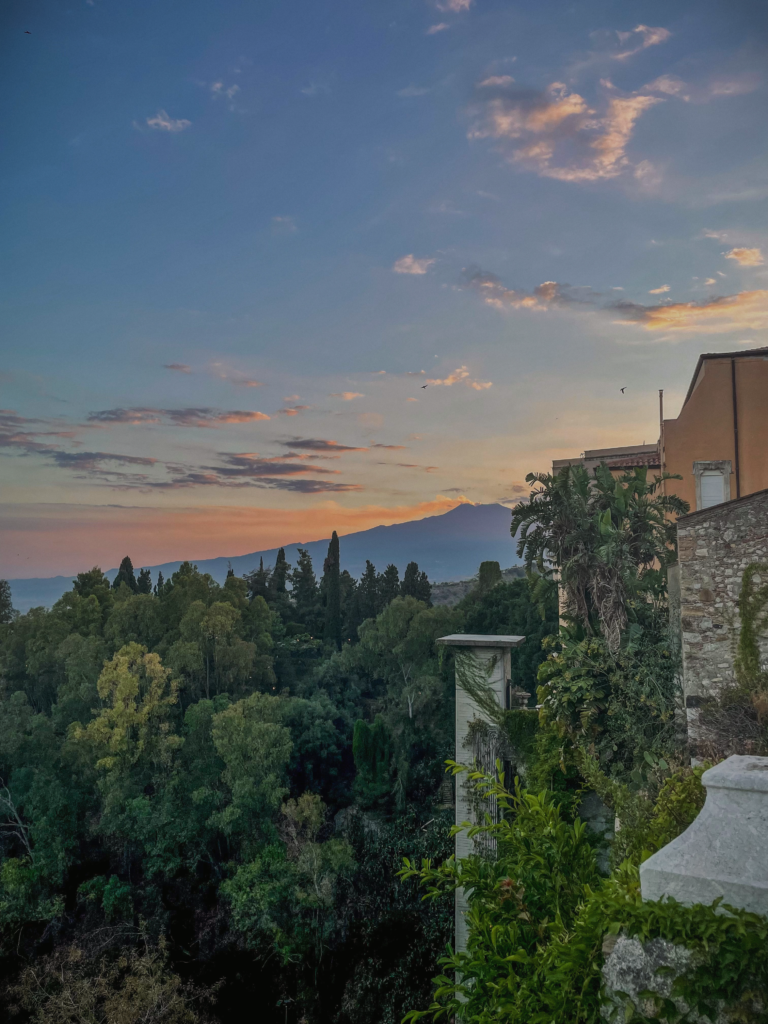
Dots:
{"x": 276, "y": 270}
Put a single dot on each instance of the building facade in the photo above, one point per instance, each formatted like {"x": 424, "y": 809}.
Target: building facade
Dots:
{"x": 715, "y": 546}
{"x": 718, "y": 443}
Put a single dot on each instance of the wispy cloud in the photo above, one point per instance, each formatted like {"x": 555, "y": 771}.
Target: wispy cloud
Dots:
{"x": 461, "y": 376}
{"x": 455, "y": 6}
{"x": 283, "y": 225}
{"x": 234, "y": 377}
{"x": 291, "y": 410}
{"x": 659, "y": 291}
{"x": 411, "y": 265}
{"x": 746, "y": 257}
{"x": 392, "y": 447}
{"x": 163, "y": 122}
{"x": 317, "y": 444}
{"x": 495, "y": 80}
{"x": 746, "y": 310}
{"x": 439, "y": 27}
{"x": 179, "y": 367}
{"x": 563, "y": 137}
{"x": 543, "y": 296}
{"x": 347, "y": 395}
{"x": 715, "y": 316}
{"x": 200, "y": 417}
{"x": 314, "y": 89}
{"x": 221, "y": 91}
{"x": 413, "y": 90}
{"x": 642, "y": 37}
{"x": 703, "y": 92}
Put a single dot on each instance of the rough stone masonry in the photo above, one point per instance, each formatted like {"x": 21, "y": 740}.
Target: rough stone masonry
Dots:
{"x": 715, "y": 546}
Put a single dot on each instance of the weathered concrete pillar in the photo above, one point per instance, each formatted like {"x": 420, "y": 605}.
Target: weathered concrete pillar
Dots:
{"x": 490, "y": 662}
{"x": 723, "y": 853}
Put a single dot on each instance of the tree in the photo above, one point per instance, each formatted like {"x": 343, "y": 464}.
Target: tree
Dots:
{"x": 144, "y": 582}
{"x": 136, "y": 985}
{"x": 388, "y": 586}
{"x": 277, "y": 581}
{"x": 6, "y": 603}
{"x": 159, "y": 585}
{"x": 258, "y": 581}
{"x": 125, "y": 575}
{"x": 133, "y": 748}
{"x": 509, "y": 608}
{"x": 368, "y": 593}
{"x": 95, "y": 583}
{"x": 304, "y": 593}
{"x": 331, "y": 592}
{"x": 255, "y": 747}
{"x": 488, "y": 575}
{"x": 416, "y": 584}
{"x": 372, "y": 750}
{"x": 606, "y": 542}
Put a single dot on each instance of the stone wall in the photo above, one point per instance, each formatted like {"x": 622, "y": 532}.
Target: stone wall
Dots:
{"x": 715, "y": 546}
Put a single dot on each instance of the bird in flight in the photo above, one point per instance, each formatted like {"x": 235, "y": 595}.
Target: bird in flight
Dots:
{"x": 622, "y": 390}
{"x": 27, "y": 32}
{"x": 424, "y": 386}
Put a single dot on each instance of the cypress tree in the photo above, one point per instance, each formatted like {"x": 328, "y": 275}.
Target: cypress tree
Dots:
{"x": 368, "y": 593}
{"x": 125, "y": 575}
{"x": 6, "y": 604}
{"x": 350, "y": 606}
{"x": 258, "y": 582}
{"x": 488, "y": 575}
{"x": 416, "y": 584}
{"x": 144, "y": 582}
{"x": 331, "y": 592}
{"x": 388, "y": 586}
{"x": 306, "y": 600}
{"x": 279, "y": 574}
{"x": 159, "y": 585}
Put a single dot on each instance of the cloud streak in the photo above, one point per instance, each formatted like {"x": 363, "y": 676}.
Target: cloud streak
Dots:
{"x": 318, "y": 444}
{"x": 234, "y": 377}
{"x": 411, "y": 265}
{"x": 643, "y": 36}
{"x": 747, "y": 310}
{"x": 163, "y": 122}
{"x": 461, "y": 376}
{"x": 194, "y": 417}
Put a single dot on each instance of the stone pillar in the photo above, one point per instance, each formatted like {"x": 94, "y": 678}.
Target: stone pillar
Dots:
{"x": 491, "y": 662}
{"x": 725, "y": 851}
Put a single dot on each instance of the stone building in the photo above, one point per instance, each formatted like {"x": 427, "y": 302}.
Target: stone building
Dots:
{"x": 715, "y": 546}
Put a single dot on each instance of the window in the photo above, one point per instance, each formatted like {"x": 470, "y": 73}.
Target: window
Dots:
{"x": 712, "y": 489}
{"x": 713, "y": 482}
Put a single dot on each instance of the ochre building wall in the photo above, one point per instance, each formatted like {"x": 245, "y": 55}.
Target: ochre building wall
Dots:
{"x": 704, "y": 430}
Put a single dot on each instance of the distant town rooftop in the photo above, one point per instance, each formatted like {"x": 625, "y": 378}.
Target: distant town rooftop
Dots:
{"x": 627, "y": 456}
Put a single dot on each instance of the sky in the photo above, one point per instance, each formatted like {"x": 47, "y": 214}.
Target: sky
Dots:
{"x": 273, "y": 269}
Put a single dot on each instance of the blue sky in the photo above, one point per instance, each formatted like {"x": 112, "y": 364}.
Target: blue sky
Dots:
{"x": 530, "y": 205}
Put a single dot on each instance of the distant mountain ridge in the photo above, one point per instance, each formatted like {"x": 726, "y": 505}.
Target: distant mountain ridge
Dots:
{"x": 450, "y": 546}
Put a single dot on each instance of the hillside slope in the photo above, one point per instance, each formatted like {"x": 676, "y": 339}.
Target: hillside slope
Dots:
{"x": 447, "y": 547}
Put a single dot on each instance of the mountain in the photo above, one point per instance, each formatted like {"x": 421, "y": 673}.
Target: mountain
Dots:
{"x": 447, "y": 547}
